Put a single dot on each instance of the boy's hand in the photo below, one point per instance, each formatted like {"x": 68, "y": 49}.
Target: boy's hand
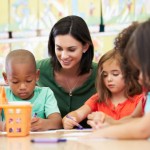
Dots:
{"x": 37, "y": 124}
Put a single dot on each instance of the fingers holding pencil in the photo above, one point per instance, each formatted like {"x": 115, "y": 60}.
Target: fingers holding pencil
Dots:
{"x": 69, "y": 122}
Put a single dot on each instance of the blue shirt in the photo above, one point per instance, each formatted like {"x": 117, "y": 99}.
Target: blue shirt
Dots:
{"x": 44, "y": 102}
{"x": 147, "y": 105}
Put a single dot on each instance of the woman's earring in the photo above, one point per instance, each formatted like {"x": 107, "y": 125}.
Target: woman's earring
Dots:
{"x": 83, "y": 51}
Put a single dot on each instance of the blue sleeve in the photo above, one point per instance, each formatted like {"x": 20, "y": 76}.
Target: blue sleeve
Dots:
{"x": 147, "y": 105}
{"x": 51, "y": 103}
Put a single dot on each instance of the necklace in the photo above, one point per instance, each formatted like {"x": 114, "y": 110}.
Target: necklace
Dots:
{"x": 73, "y": 87}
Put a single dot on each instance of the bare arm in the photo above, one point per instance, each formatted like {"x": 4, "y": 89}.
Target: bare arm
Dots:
{"x": 54, "y": 121}
{"x": 135, "y": 129}
{"x": 78, "y": 115}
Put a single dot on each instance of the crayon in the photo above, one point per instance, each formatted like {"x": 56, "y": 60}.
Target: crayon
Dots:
{"x": 48, "y": 140}
{"x": 78, "y": 125}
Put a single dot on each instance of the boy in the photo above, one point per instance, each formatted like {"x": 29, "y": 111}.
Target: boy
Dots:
{"x": 21, "y": 76}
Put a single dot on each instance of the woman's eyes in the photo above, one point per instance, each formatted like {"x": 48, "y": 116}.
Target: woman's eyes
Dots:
{"x": 60, "y": 49}
{"x": 71, "y": 50}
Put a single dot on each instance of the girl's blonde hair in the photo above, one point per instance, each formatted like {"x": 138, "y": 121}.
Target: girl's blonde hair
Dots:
{"x": 132, "y": 86}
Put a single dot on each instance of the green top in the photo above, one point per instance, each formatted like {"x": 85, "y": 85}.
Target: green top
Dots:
{"x": 65, "y": 102}
{"x": 44, "y": 101}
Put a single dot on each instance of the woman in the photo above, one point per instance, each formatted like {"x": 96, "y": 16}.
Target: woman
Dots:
{"x": 69, "y": 71}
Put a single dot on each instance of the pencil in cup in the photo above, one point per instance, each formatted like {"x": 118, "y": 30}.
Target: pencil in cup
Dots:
{"x": 78, "y": 125}
{"x": 35, "y": 115}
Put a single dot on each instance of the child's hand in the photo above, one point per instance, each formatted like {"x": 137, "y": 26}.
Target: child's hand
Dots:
{"x": 69, "y": 123}
{"x": 97, "y": 120}
{"x": 37, "y": 124}
{"x": 2, "y": 126}
{"x": 100, "y": 116}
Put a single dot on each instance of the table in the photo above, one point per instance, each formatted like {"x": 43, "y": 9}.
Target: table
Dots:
{"x": 23, "y": 143}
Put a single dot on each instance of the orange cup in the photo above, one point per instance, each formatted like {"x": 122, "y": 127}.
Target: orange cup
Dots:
{"x": 18, "y": 118}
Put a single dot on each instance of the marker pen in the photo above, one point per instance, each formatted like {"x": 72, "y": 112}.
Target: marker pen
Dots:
{"x": 47, "y": 140}
{"x": 35, "y": 115}
{"x": 78, "y": 125}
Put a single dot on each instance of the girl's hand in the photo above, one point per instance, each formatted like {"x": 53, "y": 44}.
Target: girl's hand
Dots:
{"x": 69, "y": 123}
{"x": 100, "y": 116}
{"x": 97, "y": 120}
{"x": 97, "y": 124}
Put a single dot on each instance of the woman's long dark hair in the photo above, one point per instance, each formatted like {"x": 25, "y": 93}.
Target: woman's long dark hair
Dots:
{"x": 77, "y": 28}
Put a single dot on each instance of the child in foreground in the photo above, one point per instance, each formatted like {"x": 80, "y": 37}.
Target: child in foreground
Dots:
{"x": 138, "y": 52}
{"x": 21, "y": 76}
{"x": 70, "y": 71}
{"x": 118, "y": 93}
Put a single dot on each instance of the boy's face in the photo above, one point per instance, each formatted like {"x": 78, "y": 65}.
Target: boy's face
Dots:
{"x": 22, "y": 79}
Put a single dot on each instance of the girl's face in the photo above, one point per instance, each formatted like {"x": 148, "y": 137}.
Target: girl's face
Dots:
{"x": 113, "y": 77}
{"x": 69, "y": 51}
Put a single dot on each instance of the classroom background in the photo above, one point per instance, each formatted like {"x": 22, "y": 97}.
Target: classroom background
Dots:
{"x": 27, "y": 23}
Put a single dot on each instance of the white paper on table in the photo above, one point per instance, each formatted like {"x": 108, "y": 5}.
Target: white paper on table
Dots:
{"x": 3, "y": 133}
{"x": 76, "y": 130}
{"x": 76, "y": 134}
{"x": 40, "y": 132}
{"x": 43, "y": 132}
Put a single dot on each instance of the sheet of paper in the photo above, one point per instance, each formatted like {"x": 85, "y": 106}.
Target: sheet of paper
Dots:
{"x": 76, "y": 134}
{"x": 44, "y": 132}
{"x": 3, "y": 133}
{"x": 41, "y": 132}
{"x": 76, "y": 130}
